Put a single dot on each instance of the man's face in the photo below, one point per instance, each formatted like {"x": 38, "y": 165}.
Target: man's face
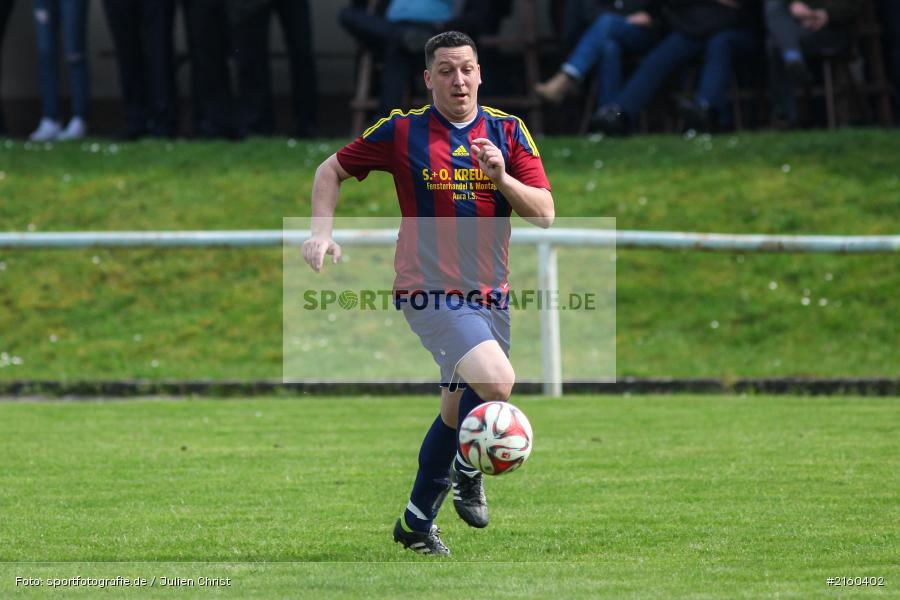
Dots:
{"x": 454, "y": 78}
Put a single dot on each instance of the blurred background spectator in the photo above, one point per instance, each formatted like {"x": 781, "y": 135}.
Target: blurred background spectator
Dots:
{"x": 624, "y": 28}
{"x": 397, "y": 31}
{"x": 889, "y": 16}
{"x": 239, "y": 76}
{"x": 719, "y": 32}
{"x": 207, "y": 26}
{"x": 142, "y": 32}
{"x": 571, "y": 18}
{"x": 69, "y": 18}
{"x": 6, "y": 7}
{"x": 798, "y": 30}
{"x": 250, "y": 29}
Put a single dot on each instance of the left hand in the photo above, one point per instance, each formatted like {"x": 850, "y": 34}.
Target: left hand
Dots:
{"x": 490, "y": 159}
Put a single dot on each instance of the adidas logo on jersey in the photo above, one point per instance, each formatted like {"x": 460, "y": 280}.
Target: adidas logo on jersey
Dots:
{"x": 461, "y": 151}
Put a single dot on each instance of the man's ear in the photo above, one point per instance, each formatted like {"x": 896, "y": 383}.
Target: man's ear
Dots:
{"x": 427, "y": 76}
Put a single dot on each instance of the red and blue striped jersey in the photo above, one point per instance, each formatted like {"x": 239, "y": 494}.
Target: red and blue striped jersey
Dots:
{"x": 455, "y": 228}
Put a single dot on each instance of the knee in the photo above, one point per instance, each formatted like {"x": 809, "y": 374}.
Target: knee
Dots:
{"x": 611, "y": 48}
{"x": 495, "y": 392}
{"x": 605, "y": 23}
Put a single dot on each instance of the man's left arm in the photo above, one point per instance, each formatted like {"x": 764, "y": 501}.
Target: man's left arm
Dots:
{"x": 534, "y": 204}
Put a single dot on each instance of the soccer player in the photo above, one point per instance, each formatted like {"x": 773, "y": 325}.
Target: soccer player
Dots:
{"x": 459, "y": 169}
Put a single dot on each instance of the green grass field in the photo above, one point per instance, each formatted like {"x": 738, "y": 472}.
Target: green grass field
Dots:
{"x": 175, "y": 314}
{"x": 651, "y": 497}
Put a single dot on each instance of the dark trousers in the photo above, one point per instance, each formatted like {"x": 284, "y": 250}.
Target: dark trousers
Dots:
{"x": 605, "y": 44}
{"x": 142, "y": 32}
{"x": 251, "y": 51}
{"x": 784, "y": 33}
{"x": 788, "y": 34}
{"x": 6, "y": 7}
{"x": 889, "y": 15}
{"x": 296, "y": 25}
{"x": 207, "y": 32}
{"x": 719, "y": 52}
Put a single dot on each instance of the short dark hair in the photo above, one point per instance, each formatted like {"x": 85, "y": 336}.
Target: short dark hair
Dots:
{"x": 447, "y": 39}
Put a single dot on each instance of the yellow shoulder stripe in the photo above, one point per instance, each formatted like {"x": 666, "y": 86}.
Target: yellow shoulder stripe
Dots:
{"x": 494, "y": 112}
{"x": 394, "y": 113}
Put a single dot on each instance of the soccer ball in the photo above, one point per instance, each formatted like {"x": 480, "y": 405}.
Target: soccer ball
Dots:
{"x": 496, "y": 438}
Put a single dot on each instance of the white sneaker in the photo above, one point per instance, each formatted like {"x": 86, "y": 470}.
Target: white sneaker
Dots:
{"x": 47, "y": 131}
{"x": 75, "y": 130}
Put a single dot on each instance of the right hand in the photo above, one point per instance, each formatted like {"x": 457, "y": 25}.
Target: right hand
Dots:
{"x": 315, "y": 249}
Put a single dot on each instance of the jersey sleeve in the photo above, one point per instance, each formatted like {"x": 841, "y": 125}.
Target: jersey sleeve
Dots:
{"x": 372, "y": 151}
{"x": 524, "y": 158}
{"x": 361, "y": 156}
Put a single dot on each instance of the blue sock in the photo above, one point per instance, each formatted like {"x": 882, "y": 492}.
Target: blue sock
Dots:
{"x": 792, "y": 55}
{"x": 467, "y": 402}
{"x": 432, "y": 481}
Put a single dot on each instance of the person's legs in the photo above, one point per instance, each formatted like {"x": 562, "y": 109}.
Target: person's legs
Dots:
{"x": 46, "y": 23}
{"x": 608, "y": 27}
{"x": 591, "y": 45}
{"x": 73, "y": 18}
{"x": 889, "y": 15}
{"x": 675, "y": 50}
{"x": 604, "y": 44}
{"x": 718, "y": 66}
{"x": 372, "y": 30}
{"x": 211, "y": 86}
{"x": 470, "y": 343}
{"x": 6, "y": 7}
{"x": 295, "y": 22}
{"x": 125, "y": 29}
{"x": 490, "y": 378}
{"x": 435, "y": 455}
{"x": 783, "y": 107}
{"x": 157, "y": 21}
{"x": 251, "y": 52}
{"x": 624, "y": 39}
{"x": 487, "y": 371}
{"x": 783, "y": 29}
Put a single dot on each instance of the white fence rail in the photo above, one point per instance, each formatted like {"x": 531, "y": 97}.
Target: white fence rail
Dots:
{"x": 545, "y": 239}
{"x": 558, "y": 237}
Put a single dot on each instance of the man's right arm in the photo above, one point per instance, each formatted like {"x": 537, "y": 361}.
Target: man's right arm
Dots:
{"x": 325, "y": 193}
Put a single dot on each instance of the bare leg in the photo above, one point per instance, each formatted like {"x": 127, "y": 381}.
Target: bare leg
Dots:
{"x": 487, "y": 370}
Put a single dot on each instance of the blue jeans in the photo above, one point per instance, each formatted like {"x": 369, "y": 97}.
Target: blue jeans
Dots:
{"x": 71, "y": 16}
{"x": 720, "y": 51}
{"x": 605, "y": 43}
